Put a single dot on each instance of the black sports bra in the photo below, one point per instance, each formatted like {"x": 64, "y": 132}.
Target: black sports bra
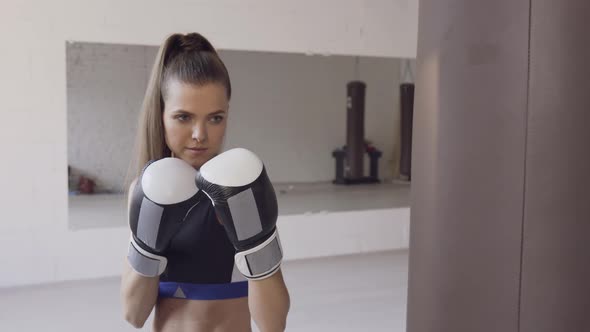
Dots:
{"x": 201, "y": 252}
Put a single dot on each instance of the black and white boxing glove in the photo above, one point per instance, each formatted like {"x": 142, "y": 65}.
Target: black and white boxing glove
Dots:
{"x": 163, "y": 196}
{"x": 245, "y": 202}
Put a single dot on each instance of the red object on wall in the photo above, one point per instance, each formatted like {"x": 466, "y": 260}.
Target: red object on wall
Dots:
{"x": 86, "y": 185}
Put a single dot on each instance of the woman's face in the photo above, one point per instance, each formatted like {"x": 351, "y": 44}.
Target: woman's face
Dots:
{"x": 195, "y": 118}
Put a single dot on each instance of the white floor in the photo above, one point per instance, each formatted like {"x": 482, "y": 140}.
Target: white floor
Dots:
{"x": 348, "y": 293}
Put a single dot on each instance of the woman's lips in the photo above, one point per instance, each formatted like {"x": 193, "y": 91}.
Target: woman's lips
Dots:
{"x": 196, "y": 151}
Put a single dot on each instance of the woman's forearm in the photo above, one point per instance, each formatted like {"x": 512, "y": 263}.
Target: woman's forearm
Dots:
{"x": 138, "y": 293}
{"x": 138, "y": 296}
{"x": 269, "y": 302}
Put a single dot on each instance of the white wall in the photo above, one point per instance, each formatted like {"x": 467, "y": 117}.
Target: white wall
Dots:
{"x": 36, "y": 245}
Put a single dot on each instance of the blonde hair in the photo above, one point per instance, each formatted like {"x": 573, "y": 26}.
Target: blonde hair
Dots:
{"x": 188, "y": 58}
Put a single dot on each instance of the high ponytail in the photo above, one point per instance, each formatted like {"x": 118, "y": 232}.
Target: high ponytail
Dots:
{"x": 192, "y": 59}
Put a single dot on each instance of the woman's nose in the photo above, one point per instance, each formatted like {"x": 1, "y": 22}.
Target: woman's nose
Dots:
{"x": 199, "y": 133}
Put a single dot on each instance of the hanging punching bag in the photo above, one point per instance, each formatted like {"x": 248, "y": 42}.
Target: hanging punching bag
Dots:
{"x": 355, "y": 128}
{"x": 407, "y": 115}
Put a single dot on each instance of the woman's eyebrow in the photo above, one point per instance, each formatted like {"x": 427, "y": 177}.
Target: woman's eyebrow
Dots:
{"x": 217, "y": 112}
{"x": 182, "y": 111}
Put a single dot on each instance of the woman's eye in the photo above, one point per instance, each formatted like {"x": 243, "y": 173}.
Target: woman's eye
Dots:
{"x": 217, "y": 119}
{"x": 182, "y": 117}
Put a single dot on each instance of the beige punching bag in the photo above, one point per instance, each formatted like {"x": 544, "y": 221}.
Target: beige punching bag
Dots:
{"x": 500, "y": 222}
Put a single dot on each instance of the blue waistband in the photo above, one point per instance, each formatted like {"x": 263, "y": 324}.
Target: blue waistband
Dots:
{"x": 179, "y": 290}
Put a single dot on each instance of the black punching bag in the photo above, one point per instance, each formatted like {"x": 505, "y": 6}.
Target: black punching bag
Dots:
{"x": 355, "y": 128}
{"x": 407, "y": 115}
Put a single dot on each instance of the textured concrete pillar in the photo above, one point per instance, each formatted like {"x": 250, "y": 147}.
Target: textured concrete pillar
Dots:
{"x": 500, "y": 226}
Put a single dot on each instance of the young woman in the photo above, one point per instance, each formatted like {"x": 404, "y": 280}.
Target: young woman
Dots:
{"x": 184, "y": 116}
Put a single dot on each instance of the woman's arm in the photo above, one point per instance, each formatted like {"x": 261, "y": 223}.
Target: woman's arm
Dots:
{"x": 138, "y": 293}
{"x": 269, "y": 302}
